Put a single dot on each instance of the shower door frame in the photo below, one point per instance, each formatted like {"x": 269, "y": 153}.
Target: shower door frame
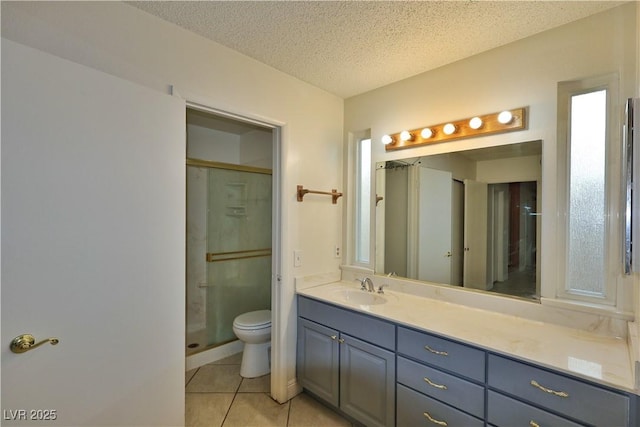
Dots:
{"x": 279, "y": 383}
{"x": 212, "y": 257}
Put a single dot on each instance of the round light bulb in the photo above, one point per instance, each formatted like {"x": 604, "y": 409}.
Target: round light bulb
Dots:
{"x": 426, "y": 133}
{"x": 449, "y": 128}
{"x": 475, "y": 123}
{"x": 405, "y": 135}
{"x": 386, "y": 139}
{"x": 505, "y": 117}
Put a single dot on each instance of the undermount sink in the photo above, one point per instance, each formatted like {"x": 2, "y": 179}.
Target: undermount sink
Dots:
{"x": 359, "y": 297}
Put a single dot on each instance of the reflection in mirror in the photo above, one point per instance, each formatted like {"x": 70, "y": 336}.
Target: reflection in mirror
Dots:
{"x": 469, "y": 218}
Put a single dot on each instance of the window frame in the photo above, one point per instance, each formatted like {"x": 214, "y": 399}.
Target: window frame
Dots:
{"x": 361, "y": 207}
{"x": 351, "y": 179}
{"x": 613, "y": 265}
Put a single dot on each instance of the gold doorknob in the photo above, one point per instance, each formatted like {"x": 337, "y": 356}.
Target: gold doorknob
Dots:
{"x": 27, "y": 342}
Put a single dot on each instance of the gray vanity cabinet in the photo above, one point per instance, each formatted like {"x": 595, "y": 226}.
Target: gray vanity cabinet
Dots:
{"x": 504, "y": 411}
{"x": 318, "y": 360}
{"x": 367, "y": 382}
{"x": 442, "y": 385}
{"x": 352, "y": 361}
{"x": 551, "y": 391}
{"x": 348, "y": 360}
{"x": 416, "y": 409}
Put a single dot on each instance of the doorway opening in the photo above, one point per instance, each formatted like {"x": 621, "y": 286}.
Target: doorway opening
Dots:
{"x": 231, "y": 228}
{"x": 513, "y": 242}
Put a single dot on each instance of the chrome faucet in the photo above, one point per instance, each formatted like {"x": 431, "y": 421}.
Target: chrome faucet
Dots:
{"x": 369, "y": 284}
{"x": 366, "y": 284}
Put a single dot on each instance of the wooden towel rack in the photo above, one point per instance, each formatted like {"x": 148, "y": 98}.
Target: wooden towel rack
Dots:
{"x": 334, "y": 193}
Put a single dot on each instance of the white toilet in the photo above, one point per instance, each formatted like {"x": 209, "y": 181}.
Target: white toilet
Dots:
{"x": 254, "y": 329}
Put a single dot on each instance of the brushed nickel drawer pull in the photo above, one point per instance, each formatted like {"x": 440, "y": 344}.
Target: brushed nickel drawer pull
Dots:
{"x": 439, "y": 353}
{"x": 433, "y": 420}
{"x": 533, "y": 424}
{"x": 548, "y": 390}
{"x": 432, "y": 384}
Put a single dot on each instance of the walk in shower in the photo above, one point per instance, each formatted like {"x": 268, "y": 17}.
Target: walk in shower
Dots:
{"x": 228, "y": 228}
{"x": 228, "y": 249}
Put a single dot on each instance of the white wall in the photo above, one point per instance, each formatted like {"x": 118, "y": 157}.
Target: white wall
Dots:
{"x": 523, "y": 73}
{"x": 256, "y": 149}
{"x": 517, "y": 169}
{"x": 124, "y": 41}
{"x": 211, "y": 144}
{"x": 461, "y": 167}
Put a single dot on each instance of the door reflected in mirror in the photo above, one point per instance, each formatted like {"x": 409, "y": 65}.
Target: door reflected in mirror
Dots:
{"x": 468, "y": 219}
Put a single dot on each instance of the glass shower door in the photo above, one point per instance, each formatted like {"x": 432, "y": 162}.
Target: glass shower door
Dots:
{"x": 238, "y": 249}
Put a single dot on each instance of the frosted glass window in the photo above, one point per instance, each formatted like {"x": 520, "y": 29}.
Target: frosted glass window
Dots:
{"x": 587, "y": 195}
{"x": 363, "y": 202}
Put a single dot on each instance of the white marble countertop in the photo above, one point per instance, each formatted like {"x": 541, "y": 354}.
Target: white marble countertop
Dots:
{"x": 604, "y": 360}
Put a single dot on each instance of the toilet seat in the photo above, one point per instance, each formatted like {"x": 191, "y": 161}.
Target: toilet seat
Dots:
{"x": 253, "y": 320}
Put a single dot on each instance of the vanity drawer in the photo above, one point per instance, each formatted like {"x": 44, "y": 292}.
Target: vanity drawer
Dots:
{"x": 414, "y": 409}
{"x": 440, "y": 352}
{"x": 502, "y": 411}
{"x": 365, "y": 327}
{"x": 455, "y": 391}
{"x": 574, "y": 398}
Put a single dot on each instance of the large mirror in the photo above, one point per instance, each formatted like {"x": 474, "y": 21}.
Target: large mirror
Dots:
{"x": 469, "y": 218}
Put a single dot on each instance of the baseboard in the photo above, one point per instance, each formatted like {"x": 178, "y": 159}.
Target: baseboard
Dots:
{"x": 293, "y": 389}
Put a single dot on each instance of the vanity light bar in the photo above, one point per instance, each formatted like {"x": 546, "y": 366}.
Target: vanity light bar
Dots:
{"x": 465, "y": 128}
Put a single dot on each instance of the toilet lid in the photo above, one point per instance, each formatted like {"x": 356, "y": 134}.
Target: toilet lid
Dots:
{"x": 253, "y": 319}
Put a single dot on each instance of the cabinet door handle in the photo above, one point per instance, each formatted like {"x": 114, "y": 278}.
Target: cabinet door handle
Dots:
{"x": 334, "y": 337}
{"x": 433, "y": 420}
{"x": 439, "y": 353}
{"x": 533, "y": 424}
{"x": 341, "y": 340}
{"x": 432, "y": 384}
{"x": 548, "y": 390}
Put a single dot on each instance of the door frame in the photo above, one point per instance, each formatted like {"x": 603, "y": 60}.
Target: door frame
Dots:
{"x": 279, "y": 386}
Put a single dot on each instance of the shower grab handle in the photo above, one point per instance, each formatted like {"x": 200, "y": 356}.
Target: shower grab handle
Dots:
{"x": 235, "y": 255}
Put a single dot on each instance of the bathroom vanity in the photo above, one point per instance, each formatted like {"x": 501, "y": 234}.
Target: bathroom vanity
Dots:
{"x": 348, "y": 360}
{"x": 399, "y": 359}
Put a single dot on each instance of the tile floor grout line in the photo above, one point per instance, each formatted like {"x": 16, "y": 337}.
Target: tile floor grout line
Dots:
{"x": 252, "y": 388}
{"x": 191, "y": 379}
{"x": 226, "y": 415}
{"x": 289, "y": 412}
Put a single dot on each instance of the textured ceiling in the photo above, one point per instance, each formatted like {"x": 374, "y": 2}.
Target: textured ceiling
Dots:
{"x": 351, "y": 47}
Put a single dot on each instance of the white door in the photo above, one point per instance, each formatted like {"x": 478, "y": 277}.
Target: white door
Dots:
{"x": 434, "y": 226}
{"x": 93, "y": 214}
{"x": 475, "y": 234}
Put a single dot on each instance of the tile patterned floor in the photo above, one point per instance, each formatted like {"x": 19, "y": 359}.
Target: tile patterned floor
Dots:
{"x": 217, "y": 396}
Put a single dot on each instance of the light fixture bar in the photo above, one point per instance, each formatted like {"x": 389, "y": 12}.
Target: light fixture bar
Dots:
{"x": 463, "y": 129}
